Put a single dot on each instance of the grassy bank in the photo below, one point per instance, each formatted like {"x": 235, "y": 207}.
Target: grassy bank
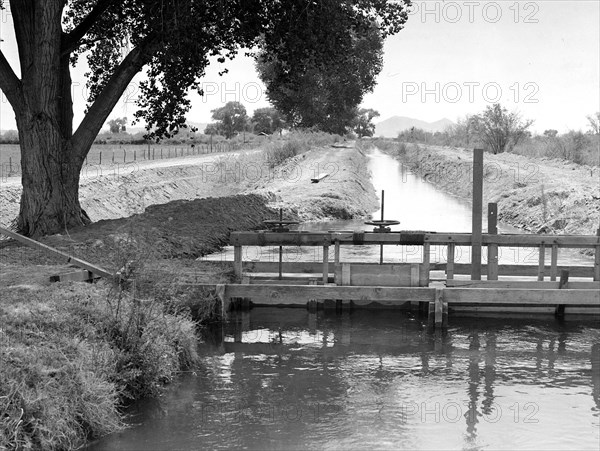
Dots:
{"x": 537, "y": 195}
{"x": 71, "y": 354}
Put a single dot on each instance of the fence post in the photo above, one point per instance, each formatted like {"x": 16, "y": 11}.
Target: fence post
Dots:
{"x": 124, "y": 155}
{"x": 100, "y": 157}
{"x": 9, "y": 165}
{"x": 134, "y": 157}
{"x": 476, "y": 215}
{"x": 492, "y": 273}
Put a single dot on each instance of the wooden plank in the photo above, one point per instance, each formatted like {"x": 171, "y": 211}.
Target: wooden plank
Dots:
{"x": 517, "y": 270}
{"x": 541, "y": 262}
{"x": 521, "y": 284}
{"x": 319, "y": 177}
{"x": 325, "y": 263}
{"x": 554, "y": 262}
{"x": 492, "y": 268}
{"x": 476, "y": 238}
{"x": 56, "y": 253}
{"x": 450, "y": 264}
{"x": 83, "y": 275}
{"x": 409, "y": 238}
{"x": 415, "y": 275}
{"x": 294, "y": 294}
{"x": 346, "y": 274}
{"x": 521, "y": 296}
{"x": 336, "y": 253}
{"x": 597, "y": 260}
{"x": 426, "y": 262}
{"x": 237, "y": 262}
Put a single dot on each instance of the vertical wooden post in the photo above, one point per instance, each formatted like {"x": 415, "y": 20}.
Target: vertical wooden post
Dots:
{"x": 439, "y": 307}
{"x": 541, "y": 262}
{"x": 336, "y": 253}
{"x": 554, "y": 262}
{"x": 477, "y": 212}
{"x": 450, "y": 263}
{"x": 426, "y": 261}
{"x": 381, "y": 245}
{"x": 325, "y": 264}
{"x": 492, "y": 273}
{"x": 564, "y": 279}
{"x": 597, "y": 260}
{"x": 237, "y": 262}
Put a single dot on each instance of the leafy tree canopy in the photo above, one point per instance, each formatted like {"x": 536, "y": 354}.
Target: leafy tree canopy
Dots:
{"x": 171, "y": 41}
{"x": 363, "y": 125}
{"x": 317, "y": 77}
{"x": 230, "y": 119}
{"x": 267, "y": 120}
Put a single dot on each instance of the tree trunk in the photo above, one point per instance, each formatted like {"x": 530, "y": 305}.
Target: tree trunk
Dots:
{"x": 50, "y": 178}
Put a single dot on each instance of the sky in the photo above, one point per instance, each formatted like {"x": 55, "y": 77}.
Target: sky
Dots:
{"x": 540, "y": 58}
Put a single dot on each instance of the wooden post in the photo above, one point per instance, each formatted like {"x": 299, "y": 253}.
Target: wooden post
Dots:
{"x": 426, "y": 261}
{"x": 564, "y": 279}
{"x": 477, "y": 212}
{"x": 597, "y": 260}
{"x": 237, "y": 262}
{"x": 439, "y": 306}
{"x": 450, "y": 263}
{"x": 336, "y": 253}
{"x": 541, "y": 262}
{"x": 492, "y": 273}
{"x": 325, "y": 264}
{"x": 554, "y": 262}
{"x": 381, "y": 245}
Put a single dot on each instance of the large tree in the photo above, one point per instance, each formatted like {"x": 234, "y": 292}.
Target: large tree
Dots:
{"x": 230, "y": 119}
{"x": 171, "y": 40}
{"x": 318, "y": 77}
{"x": 498, "y": 129}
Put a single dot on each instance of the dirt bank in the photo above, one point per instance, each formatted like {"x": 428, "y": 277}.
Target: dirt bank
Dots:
{"x": 537, "y": 195}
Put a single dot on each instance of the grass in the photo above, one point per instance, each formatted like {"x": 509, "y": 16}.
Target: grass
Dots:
{"x": 74, "y": 353}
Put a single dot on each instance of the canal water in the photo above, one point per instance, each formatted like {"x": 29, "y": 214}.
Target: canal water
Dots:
{"x": 290, "y": 379}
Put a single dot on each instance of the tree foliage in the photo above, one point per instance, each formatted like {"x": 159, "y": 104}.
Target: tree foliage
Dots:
{"x": 267, "y": 121}
{"x": 318, "y": 77}
{"x": 230, "y": 119}
{"x": 171, "y": 41}
{"x": 498, "y": 129}
{"x": 363, "y": 125}
{"x": 117, "y": 125}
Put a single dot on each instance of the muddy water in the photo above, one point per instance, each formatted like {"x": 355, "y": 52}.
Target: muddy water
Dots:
{"x": 289, "y": 379}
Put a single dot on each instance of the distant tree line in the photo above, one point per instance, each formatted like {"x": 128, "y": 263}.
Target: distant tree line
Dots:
{"x": 498, "y": 130}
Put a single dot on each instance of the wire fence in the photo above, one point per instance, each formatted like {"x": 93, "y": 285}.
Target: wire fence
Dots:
{"x": 133, "y": 153}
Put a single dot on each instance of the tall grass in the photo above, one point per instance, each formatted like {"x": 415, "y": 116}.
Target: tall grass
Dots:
{"x": 73, "y": 353}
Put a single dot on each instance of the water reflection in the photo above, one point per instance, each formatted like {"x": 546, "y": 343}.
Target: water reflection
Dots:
{"x": 290, "y": 379}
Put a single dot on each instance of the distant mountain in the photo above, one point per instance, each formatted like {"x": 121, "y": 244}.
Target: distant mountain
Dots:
{"x": 392, "y": 126}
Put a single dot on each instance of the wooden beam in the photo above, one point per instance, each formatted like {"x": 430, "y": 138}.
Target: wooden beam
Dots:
{"x": 517, "y": 270}
{"x": 541, "y": 262}
{"x": 554, "y": 262}
{"x": 298, "y": 294}
{"x": 237, "y": 262}
{"x": 492, "y": 268}
{"x": 476, "y": 238}
{"x": 426, "y": 261}
{"x": 450, "y": 264}
{"x": 597, "y": 259}
{"x": 521, "y": 296}
{"x": 409, "y": 238}
{"x": 56, "y": 253}
{"x": 521, "y": 284}
{"x": 325, "y": 263}
{"x": 564, "y": 280}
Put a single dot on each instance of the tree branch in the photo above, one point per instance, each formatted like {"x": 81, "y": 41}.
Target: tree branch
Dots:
{"x": 10, "y": 83}
{"x": 111, "y": 93}
{"x": 71, "y": 40}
